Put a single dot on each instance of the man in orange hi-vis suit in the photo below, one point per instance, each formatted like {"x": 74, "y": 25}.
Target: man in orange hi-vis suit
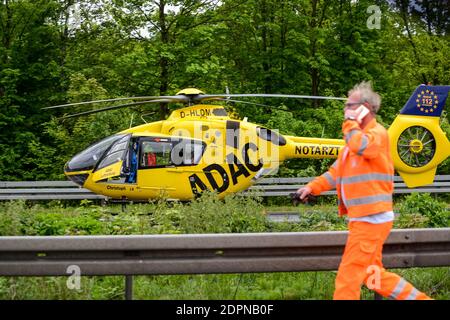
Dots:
{"x": 363, "y": 178}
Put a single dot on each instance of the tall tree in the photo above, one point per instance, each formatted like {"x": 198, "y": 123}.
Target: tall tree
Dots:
{"x": 29, "y": 71}
{"x": 162, "y": 24}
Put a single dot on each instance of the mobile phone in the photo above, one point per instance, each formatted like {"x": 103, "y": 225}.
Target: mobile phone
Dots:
{"x": 363, "y": 112}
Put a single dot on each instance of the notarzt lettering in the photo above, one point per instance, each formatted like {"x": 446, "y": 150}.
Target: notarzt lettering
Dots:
{"x": 317, "y": 150}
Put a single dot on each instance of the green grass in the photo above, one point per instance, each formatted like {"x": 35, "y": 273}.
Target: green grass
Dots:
{"x": 285, "y": 286}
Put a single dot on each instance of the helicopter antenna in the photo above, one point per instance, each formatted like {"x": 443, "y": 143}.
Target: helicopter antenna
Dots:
{"x": 146, "y": 114}
{"x": 131, "y": 120}
{"x": 227, "y": 99}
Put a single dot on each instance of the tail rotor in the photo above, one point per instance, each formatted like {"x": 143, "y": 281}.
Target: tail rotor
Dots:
{"x": 418, "y": 144}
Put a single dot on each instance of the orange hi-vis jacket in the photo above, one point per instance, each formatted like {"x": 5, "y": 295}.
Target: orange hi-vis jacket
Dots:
{"x": 363, "y": 171}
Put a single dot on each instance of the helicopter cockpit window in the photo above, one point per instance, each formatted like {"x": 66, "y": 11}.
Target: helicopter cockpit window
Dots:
{"x": 115, "y": 153}
{"x": 155, "y": 153}
{"x": 271, "y": 136}
{"x": 87, "y": 159}
{"x": 175, "y": 152}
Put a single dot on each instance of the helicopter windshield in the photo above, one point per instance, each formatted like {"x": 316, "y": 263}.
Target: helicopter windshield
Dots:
{"x": 115, "y": 153}
{"x": 87, "y": 159}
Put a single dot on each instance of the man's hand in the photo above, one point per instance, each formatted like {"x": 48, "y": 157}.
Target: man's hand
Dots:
{"x": 304, "y": 192}
{"x": 303, "y": 195}
{"x": 351, "y": 114}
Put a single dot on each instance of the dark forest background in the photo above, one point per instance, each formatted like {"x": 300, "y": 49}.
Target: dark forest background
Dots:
{"x": 57, "y": 51}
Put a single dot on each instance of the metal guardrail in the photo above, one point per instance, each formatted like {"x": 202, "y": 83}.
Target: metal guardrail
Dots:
{"x": 45, "y": 190}
{"x": 266, "y": 187}
{"x": 269, "y": 187}
{"x": 209, "y": 253}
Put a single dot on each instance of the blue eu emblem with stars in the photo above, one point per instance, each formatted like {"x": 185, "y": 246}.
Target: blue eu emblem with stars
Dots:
{"x": 427, "y": 101}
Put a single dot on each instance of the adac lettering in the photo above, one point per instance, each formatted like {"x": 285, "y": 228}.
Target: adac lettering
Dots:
{"x": 233, "y": 163}
{"x": 317, "y": 150}
{"x": 235, "y": 166}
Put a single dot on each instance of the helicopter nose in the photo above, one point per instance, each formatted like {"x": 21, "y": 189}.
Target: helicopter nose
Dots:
{"x": 81, "y": 165}
{"x": 78, "y": 177}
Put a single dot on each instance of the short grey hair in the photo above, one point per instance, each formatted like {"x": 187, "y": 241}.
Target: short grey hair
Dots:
{"x": 367, "y": 94}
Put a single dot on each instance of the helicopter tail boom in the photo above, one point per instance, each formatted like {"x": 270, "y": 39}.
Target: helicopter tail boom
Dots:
{"x": 317, "y": 148}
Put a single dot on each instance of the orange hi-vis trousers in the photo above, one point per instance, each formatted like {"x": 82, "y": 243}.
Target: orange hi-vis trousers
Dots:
{"x": 361, "y": 263}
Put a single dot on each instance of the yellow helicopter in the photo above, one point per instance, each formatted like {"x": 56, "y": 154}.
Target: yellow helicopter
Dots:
{"x": 199, "y": 147}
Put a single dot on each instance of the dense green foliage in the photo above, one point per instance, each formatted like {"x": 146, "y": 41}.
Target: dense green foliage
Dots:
{"x": 422, "y": 207}
{"x": 56, "y": 51}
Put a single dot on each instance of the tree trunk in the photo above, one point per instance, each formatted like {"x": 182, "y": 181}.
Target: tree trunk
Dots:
{"x": 404, "y": 14}
{"x": 265, "y": 49}
{"x": 163, "y": 60}
{"x": 7, "y": 32}
{"x": 64, "y": 39}
{"x": 313, "y": 71}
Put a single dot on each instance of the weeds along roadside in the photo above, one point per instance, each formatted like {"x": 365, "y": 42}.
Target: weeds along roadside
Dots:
{"x": 205, "y": 215}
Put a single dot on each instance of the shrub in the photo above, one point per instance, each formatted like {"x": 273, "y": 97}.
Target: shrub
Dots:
{"x": 208, "y": 214}
{"x": 424, "y": 210}
{"x": 10, "y": 218}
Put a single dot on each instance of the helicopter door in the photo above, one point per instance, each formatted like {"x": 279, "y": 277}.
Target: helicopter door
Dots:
{"x": 112, "y": 161}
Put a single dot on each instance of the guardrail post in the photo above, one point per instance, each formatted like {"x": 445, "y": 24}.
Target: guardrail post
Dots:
{"x": 129, "y": 287}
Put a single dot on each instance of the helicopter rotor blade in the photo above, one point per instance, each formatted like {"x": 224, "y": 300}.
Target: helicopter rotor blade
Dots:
{"x": 200, "y": 97}
{"x": 177, "y": 98}
{"x": 264, "y": 95}
{"x": 114, "y": 107}
{"x": 245, "y": 102}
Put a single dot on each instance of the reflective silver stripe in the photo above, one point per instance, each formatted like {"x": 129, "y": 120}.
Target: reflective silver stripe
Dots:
{"x": 349, "y": 135}
{"x": 412, "y": 295}
{"x": 398, "y": 289}
{"x": 368, "y": 177}
{"x": 330, "y": 179}
{"x": 364, "y": 142}
{"x": 376, "y": 218}
{"x": 334, "y": 165}
{"x": 369, "y": 200}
